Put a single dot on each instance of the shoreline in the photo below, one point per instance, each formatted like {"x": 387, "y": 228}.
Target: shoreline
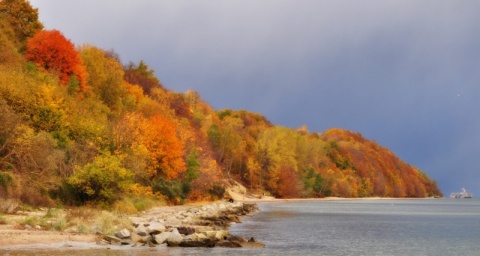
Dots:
{"x": 13, "y": 237}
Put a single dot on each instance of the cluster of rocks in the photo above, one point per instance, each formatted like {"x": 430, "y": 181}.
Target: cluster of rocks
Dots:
{"x": 194, "y": 226}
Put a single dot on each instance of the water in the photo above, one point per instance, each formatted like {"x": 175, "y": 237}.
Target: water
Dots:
{"x": 346, "y": 227}
{"x": 367, "y": 227}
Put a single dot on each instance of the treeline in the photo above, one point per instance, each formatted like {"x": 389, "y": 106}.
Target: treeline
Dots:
{"x": 79, "y": 127}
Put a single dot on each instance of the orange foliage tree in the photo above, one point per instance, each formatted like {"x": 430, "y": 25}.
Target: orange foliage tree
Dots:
{"x": 51, "y": 50}
{"x": 165, "y": 148}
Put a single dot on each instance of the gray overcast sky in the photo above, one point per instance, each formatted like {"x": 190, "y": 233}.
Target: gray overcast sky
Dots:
{"x": 403, "y": 73}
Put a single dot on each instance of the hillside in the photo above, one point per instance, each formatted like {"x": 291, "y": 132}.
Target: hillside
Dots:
{"x": 79, "y": 127}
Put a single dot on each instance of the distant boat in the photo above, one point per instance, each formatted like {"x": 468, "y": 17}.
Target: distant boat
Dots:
{"x": 463, "y": 194}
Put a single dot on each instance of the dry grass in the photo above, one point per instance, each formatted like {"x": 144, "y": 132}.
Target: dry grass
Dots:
{"x": 88, "y": 220}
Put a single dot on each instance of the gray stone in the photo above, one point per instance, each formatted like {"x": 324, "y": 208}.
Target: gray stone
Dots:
{"x": 124, "y": 233}
{"x": 155, "y": 228}
{"x": 141, "y": 231}
{"x": 162, "y": 237}
{"x": 136, "y": 238}
{"x": 175, "y": 238}
{"x": 172, "y": 221}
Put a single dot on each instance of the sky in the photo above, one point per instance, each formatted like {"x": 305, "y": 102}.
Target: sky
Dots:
{"x": 403, "y": 73}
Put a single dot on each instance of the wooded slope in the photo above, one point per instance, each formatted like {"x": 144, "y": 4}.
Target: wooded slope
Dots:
{"x": 79, "y": 127}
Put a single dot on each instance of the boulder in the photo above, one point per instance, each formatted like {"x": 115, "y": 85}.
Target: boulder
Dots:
{"x": 197, "y": 243}
{"x": 141, "y": 231}
{"x": 122, "y": 234}
{"x": 175, "y": 238}
{"x": 136, "y": 238}
{"x": 237, "y": 239}
{"x": 228, "y": 244}
{"x": 186, "y": 230}
{"x": 162, "y": 237}
{"x": 155, "y": 228}
{"x": 172, "y": 221}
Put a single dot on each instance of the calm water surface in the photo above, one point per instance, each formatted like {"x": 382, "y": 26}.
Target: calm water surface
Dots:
{"x": 357, "y": 227}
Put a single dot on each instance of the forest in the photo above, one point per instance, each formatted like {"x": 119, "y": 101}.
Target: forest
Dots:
{"x": 79, "y": 127}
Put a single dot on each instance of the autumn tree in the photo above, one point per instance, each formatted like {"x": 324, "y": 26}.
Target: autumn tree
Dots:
{"x": 142, "y": 75}
{"x": 103, "y": 181}
{"x": 22, "y": 17}
{"x": 154, "y": 137}
{"x": 166, "y": 150}
{"x": 105, "y": 76}
{"x": 52, "y": 51}
{"x": 276, "y": 151}
{"x": 228, "y": 143}
{"x": 8, "y": 48}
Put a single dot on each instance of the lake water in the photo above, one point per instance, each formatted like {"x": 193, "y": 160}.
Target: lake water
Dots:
{"x": 344, "y": 227}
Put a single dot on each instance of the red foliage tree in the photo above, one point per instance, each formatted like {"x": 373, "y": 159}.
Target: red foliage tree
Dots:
{"x": 51, "y": 50}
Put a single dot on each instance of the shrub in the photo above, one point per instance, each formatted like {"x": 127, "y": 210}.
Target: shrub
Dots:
{"x": 217, "y": 191}
{"x": 102, "y": 181}
{"x": 176, "y": 191}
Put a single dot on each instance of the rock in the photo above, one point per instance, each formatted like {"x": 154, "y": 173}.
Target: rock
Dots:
{"x": 252, "y": 243}
{"x": 150, "y": 243}
{"x": 201, "y": 236}
{"x": 228, "y": 244}
{"x": 122, "y": 234}
{"x": 136, "y": 238}
{"x": 197, "y": 243}
{"x": 187, "y": 220}
{"x": 193, "y": 210}
{"x": 141, "y": 231}
{"x": 155, "y": 228}
{"x": 175, "y": 238}
{"x": 186, "y": 230}
{"x": 172, "y": 221}
{"x": 193, "y": 227}
{"x": 162, "y": 237}
{"x": 237, "y": 239}
{"x": 221, "y": 234}
{"x": 112, "y": 239}
{"x": 210, "y": 233}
